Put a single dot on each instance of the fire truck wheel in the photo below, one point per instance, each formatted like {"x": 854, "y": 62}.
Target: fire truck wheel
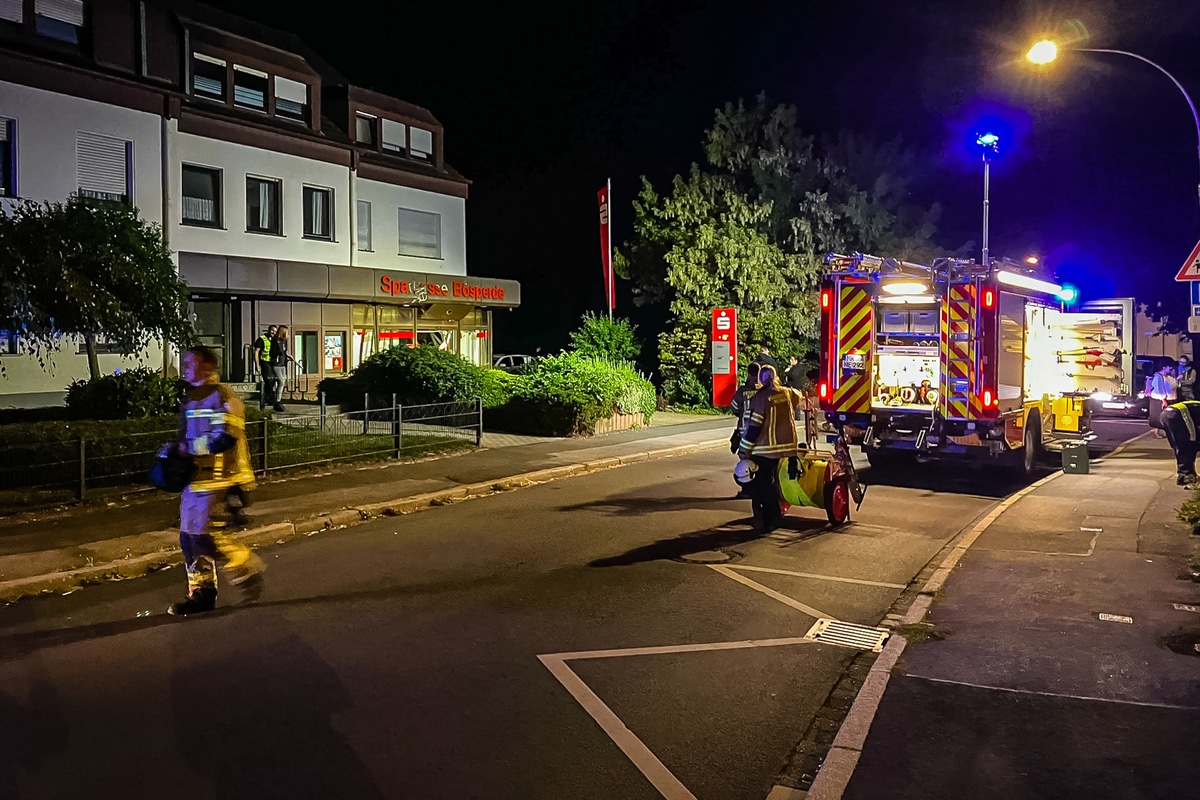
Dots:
{"x": 837, "y": 502}
{"x": 1031, "y": 450}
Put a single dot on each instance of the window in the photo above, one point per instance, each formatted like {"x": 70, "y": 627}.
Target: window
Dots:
{"x": 291, "y": 99}
{"x": 421, "y": 146}
{"x": 8, "y": 157}
{"x": 249, "y": 88}
{"x": 102, "y": 165}
{"x": 394, "y": 136}
{"x": 59, "y": 19}
{"x": 364, "y": 225}
{"x": 364, "y": 129}
{"x": 420, "y": 234}
{"x": 12, "y": 10}
{"x": 318, "y": 213}
{"x": 262, "y": 205}
{"x": 8, "y": 343}
{"x": 208, "y": 77}
{"x": 201, "y": 196}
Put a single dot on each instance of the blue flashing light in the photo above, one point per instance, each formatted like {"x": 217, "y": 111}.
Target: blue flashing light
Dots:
{"x": 988, "y": 140}
{"x": 1068, "y": 294}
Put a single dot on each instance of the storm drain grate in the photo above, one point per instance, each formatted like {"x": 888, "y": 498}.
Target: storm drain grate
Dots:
{"x": 847, "y": 634}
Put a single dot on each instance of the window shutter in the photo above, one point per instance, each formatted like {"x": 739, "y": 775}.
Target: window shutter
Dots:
{"x": 12, "y": 10}
{"x": 422, "y": 142}
{"x": 68, "y": 11}
{"x": 5, "y": 124}
{"x": 393, "y": 135}
{"x": 103, "y": 164}
{"x": 364, "y": 225}
{"x": 290, "y": 90}
{"x": 420, "y": 233}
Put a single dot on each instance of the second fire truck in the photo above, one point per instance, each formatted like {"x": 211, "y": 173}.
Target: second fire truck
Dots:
{"x": 958, "y": 360}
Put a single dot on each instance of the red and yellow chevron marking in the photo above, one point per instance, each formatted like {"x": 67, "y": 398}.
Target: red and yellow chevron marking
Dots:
{"x": 958, "y": 353}
{"x": 852, "y": 393}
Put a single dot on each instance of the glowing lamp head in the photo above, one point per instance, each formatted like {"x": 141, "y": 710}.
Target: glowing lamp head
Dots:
{"x": 1042, "y": 52}
{"x": 823, "y": 389}
{"x": 905, "y": 287}
{"x": 826, "y": 298}
{"x": 1068, "y": 294}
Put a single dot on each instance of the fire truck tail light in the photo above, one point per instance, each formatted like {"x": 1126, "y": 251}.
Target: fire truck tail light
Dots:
{"x": 823, "y": 389}
{"x": 989, "y": 298}
{"x": 989, "y": 399}
{"x": 826, "y": 298}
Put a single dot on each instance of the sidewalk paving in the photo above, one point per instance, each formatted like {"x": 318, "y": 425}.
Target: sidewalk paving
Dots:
{"x": 1023, "y": 690}
{"x": 60, "y": 549}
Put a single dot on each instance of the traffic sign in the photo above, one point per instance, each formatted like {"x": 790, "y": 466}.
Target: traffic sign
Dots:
{"x": 1190, "y": 271}
{"x": 1195, "y": 293}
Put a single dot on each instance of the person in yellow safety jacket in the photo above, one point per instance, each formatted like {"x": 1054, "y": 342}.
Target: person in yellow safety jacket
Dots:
{"x": 212, "y": 431}
{"x": 1180, "y": 421}
{"x": 769, "y": 435}
{"x": 740, "y": 406}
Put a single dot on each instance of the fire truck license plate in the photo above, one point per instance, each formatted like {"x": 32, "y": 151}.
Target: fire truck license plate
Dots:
{"x": 854, "y": 362}
{"x": 1113, "y": 405}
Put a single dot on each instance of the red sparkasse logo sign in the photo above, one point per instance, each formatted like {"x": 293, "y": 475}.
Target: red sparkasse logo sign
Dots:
{"x": 423, "y": 290}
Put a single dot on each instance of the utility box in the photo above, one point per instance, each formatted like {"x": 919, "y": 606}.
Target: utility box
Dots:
{"x": 1075, "y": 459}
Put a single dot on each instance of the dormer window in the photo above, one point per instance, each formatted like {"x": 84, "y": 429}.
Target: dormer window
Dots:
{"x": 208, "y": 77}
{"x": 59, "y": 19}
{"x": 395, "y": 138}
{"x": 291, "y": 99}
{"x": 364, "y": 129}
{"x": 249, "y": 88}
{"x": 421, "y": 147}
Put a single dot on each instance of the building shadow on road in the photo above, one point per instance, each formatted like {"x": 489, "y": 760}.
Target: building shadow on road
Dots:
{"x": 736, "y": 533}
{"x": 636, "y": 506}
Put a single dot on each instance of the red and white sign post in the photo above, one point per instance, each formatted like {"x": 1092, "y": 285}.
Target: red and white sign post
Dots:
{"x": 610, "y": 288}
{"x": 724, "y": 355}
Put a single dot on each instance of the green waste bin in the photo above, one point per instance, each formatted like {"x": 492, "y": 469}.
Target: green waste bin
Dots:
{"x": 1075, "y": 459}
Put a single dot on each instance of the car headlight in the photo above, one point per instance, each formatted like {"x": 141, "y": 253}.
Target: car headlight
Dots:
{"x": 1102, "y": 396}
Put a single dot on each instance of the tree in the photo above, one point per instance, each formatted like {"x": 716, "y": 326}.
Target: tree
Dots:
{"x": 89, "y": 268}
{"x": 615, "y": 339}
{"x": 750, "y": 228}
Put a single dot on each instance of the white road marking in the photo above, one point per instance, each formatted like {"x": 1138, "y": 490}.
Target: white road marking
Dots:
{"x": 769, "y": 592}
{"x": 634, "y": 749}
{"x": 814, "y": 576}
{"x": 1064, "y": 695}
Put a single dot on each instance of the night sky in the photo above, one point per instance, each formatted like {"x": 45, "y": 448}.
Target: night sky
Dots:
{"x": 540, "y": 108}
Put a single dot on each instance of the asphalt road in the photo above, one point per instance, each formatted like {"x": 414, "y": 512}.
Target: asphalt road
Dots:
{"x": 400, "y": 658}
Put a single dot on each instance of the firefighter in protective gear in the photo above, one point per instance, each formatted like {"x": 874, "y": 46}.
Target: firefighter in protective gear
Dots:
{"x": 1180, "y": 421}
{"x": 212, "y": 430}
{"x": 770, "y": 435}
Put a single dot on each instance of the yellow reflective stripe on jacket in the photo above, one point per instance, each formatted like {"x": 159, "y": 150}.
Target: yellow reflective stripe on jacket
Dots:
{"x": 1182, "y": 408}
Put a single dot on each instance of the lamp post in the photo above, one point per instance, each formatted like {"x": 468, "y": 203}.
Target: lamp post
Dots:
{"x": 990, "y": 143}
{"x": 1046, "y": 51}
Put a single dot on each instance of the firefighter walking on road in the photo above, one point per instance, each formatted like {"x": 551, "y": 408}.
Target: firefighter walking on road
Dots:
{"x": 769, "y": 435}
{"x": 1180, "y": 420}
{"x": 212, "y": 431}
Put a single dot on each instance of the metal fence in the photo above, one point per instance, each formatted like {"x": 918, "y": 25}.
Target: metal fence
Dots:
{"x": 383, "y": 428}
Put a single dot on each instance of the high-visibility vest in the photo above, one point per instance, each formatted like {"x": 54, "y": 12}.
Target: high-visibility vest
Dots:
{"x": 1185, "y": 409}
{"x": 266, "y": 349}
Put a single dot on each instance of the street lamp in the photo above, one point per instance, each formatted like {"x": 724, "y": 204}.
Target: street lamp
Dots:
{"x": 1046, "y": 51}
{"x": 988, "y": 143}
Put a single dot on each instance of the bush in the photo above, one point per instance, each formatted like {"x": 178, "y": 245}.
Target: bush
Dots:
{"x": 683, "y": 363}
{"x": 133, "y": 394}
{"x": 613, "y": 339}
{"x": 414, "y": 374}
{"x": 567, "y": 394}
{"x": 497, "y": 387}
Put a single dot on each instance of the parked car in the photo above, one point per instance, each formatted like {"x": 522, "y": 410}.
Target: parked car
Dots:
{"x": 511, "y": 363}
{"x": 1137, "y": 404}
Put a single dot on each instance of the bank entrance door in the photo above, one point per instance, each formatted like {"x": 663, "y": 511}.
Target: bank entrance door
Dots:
{"x": 307, "y": 369}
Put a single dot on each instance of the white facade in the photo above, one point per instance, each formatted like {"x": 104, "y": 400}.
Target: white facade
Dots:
{"x": 386, "y": 201}
{"x": 236, "y": 162}
{"x": 47, "y": 126}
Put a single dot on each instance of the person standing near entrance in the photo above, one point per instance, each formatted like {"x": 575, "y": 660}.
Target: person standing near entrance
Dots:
{"x": 212, "y": 432}
{"x": 262, "y": 359}
{"x": 279, "y": 361}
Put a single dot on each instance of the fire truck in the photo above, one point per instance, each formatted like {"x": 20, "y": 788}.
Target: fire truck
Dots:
{"x": 958, "y": 360}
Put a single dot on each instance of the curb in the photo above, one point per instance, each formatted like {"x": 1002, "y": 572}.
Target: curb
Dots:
{"x": 278, "y": 533}
{"x": 842, "y": 759}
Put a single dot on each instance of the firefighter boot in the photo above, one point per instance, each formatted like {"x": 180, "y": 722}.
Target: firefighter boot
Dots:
{"x": 199, "y": 600}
